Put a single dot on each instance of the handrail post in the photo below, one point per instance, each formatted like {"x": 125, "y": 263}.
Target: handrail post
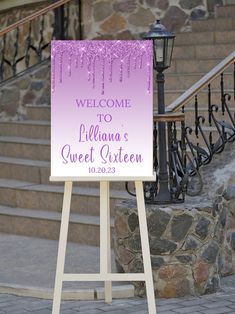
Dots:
{"x": 164, "y": 195}
{"x": 80, "y": 30}
{"x": 59, "y": 23}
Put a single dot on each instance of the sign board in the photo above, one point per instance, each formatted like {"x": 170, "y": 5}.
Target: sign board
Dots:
{"x": 101, "y": 110}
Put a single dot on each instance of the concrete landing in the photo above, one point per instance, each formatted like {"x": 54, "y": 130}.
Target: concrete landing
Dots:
{"x": 27, "y": 268}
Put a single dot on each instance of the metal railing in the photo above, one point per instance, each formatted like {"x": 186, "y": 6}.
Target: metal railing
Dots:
{"x": 26, "y": 43}
{"x": 202, "y": 83}
{"x": 192, "y": 144}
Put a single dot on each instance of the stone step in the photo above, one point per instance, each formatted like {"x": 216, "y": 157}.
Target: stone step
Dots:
{"x": 206, "y": 131}
{"x": 187, "y": 66}
{"x": 190, "y": 115}
{"x": 194, "y": 52}
{"x": 177, "y": 81}
{"x": 83, "y": 229}
{"x": 34, "y": 129}
{"x": 38, "y": 112}
{"x": 217, "y": 24}
{"x": 26, "y": 148}
{"x": 226, "y": 11}
{"x": 205, "y": 38}
{"x": 172, "y": 95}
{"x": 34, "y": 171}
{"x": 37, "y": 171}
{"x": 15, "y": 193}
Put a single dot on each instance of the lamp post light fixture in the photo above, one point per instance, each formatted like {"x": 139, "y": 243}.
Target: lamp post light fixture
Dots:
{"x": 163, "y": 42}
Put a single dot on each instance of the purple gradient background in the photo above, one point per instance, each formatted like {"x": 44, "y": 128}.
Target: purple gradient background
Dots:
{"x": 66, "y": 117}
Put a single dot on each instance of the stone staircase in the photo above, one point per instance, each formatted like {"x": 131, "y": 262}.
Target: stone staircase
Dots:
{"x": 195, "y": 54}
{"x": 30, "y": 205}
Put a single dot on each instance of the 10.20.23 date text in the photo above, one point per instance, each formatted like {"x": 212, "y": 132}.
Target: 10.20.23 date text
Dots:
{"x": 101, "y": 169}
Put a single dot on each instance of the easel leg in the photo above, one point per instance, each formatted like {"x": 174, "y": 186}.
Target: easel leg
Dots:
{"x": 145, "y": 247}
{"x": 105, "y": 243}
{"x": 62, "y": 247}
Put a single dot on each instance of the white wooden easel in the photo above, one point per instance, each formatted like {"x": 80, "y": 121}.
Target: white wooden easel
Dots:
{"x": 105, "y": 249}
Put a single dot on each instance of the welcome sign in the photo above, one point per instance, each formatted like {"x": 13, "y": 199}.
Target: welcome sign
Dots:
{"x": 101, "y": 110}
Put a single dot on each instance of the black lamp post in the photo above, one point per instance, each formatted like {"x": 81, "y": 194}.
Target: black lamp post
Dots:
{"x": 163, "y": 42}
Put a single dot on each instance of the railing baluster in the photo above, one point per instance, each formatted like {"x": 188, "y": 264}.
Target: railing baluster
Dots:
{"x": 150, "y": 188}
{"x": 210, "y": 115}
{"x": 16, "y": 45}
{"x": 170, "y": 152}
{"x": 28, "y": 44}
{"x": 183, "y": 144}
{"x": 66, "y": 21}
{"x": 174, "y": 133}
{"x": 42, "y": 23}
{"x": 209, "y": 105}
{"x": 2, "y": 57}
{"x": 155, "y": 160}
{"x": 234, "y": 81}
{"x": 80, "y": 35}
{"x": 196, "y": 116}
{"x": 222, "y": 92}
{"x": 59, "y": 23}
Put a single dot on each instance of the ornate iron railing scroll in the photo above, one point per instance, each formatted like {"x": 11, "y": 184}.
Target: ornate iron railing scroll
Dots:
{"x": 209, "y": 109}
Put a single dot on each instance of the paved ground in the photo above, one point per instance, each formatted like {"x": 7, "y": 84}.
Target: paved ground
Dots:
{"x": 31, "y": 262}
{"x": 27, "y": 262}
{"x": 219, "y": 303}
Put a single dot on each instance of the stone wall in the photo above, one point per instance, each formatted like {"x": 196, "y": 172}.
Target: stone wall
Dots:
{"x": 225, "y": 202}
{"x": 186, "y": 245}
{"x": 193, "y": 244}
{"x": 126, "y": 19}
{"x": 33, "y": 87}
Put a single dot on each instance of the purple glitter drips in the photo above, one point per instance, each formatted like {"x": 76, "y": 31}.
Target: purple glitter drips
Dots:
{"x": 69, "y": 65}
{"x": 53, "y": 74}
{"x": 111, "y": 70}
{"x": 103, "y": 76}
{"x": 77, "y": 61}
{"x": 87, "y": 52}
{"x": 129, "y": 66}
{"x": 61, "y": 66}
